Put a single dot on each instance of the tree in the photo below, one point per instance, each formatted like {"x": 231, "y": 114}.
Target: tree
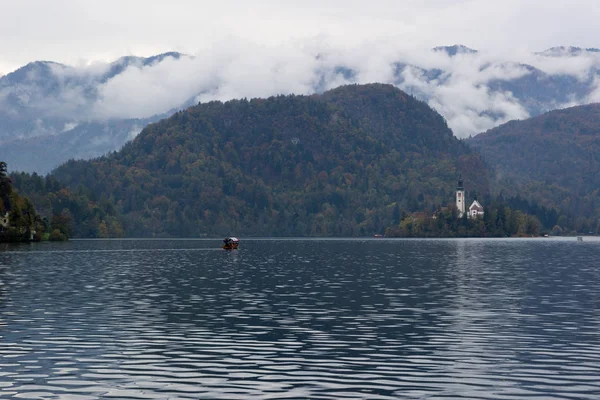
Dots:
{"x": 5, "y": 182}
{"x": 63, "y": 222}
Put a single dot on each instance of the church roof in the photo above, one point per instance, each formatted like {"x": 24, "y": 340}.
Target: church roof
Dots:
{"x": 476, "y": 206}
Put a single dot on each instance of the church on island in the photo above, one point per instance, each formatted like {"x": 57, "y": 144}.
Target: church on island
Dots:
{"x": 475, "y": 209}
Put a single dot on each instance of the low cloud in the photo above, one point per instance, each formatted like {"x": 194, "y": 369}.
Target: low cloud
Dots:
{"x": 594, "y": 96}
{"x": 471, "y": 90}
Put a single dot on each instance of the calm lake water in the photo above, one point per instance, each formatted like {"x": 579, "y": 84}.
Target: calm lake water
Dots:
{"x": 319, "y": 319}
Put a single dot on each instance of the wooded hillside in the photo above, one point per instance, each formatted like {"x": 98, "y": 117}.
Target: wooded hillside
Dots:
{"x": 553, "y": 159}
{"x": 344, "y": 163}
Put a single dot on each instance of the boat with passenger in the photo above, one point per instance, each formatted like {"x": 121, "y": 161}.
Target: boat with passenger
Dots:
{"x": 231, "y": 243}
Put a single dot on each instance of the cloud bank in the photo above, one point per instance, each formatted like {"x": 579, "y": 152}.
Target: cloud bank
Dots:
{"x": 474, "y": 91}
{"x": 70, "y": 30}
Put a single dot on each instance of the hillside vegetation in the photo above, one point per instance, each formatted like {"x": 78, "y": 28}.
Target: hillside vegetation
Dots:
{"x": 77, "y": 210}
{"x": 345, "y": 163}
{"x": 553, "y": 159}
{"x": 19, "y": 220}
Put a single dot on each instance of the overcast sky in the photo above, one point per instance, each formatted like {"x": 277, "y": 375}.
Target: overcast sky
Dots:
{"x": 79, "y": 31}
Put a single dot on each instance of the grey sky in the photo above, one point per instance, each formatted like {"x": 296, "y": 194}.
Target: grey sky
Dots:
{"x": 78, "y": 31}
{"x": 270, "y": 47}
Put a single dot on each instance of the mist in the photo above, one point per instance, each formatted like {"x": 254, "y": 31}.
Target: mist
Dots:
{"x": 472, "y": 90}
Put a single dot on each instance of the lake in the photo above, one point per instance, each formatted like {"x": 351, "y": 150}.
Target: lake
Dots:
{"x": 318, "y": 319}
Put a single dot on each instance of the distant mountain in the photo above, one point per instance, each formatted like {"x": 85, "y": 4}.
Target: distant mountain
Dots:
{"x": 82, "y": 112}
{"x": 344, "y": 163}
{"x": 83, "y": 141}
{"x": 552, "y": 158}
{"x": 47, "y": 113}
{"x": 123, "y": 63}
{"x": 455, "y": 50}
{"x": 539, "y": 92}
{"x": 494, "y": 91}
{"x": 561, "y": 51}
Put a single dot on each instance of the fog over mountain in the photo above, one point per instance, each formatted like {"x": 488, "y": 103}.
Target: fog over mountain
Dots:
{"x": 86, "y": 110}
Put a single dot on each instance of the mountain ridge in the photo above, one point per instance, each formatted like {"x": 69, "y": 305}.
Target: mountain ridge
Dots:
{"x": 286, "y": 165}
{"x": 48, "y": 99}
{"x": 351, "y": 161}
{"x": 552, "y": 158}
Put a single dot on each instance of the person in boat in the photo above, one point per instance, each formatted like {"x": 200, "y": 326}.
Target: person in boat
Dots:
{"x": 230, "y": 243}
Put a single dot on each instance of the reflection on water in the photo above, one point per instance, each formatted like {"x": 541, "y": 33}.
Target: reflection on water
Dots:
{"x": 301, "y": 319}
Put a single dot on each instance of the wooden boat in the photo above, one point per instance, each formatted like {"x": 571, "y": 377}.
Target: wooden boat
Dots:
{"x": 231, "y": 243}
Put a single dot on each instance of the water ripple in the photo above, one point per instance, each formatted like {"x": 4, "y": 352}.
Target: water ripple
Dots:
{"x": 296, "y": 319}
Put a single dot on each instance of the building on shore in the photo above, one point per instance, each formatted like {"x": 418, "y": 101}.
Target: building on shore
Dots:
{"x": 475, "y": 209}
{"x": 460, "y": 197}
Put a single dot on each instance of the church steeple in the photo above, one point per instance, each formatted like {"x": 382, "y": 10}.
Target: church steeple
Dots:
{"x": 460, "y": 197}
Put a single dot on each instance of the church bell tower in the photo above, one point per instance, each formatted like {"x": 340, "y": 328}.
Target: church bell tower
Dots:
{"x": 460, "y": 197}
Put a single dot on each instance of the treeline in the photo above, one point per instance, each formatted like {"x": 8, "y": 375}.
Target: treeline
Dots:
{"x": 498, "y": 221}
{"x": 555, "y": 221}
{"x": 551, "y": 159}
{"x": 513, "y": 217}
{"x": 75, "y": 213}
{"x": 19, "y": 220}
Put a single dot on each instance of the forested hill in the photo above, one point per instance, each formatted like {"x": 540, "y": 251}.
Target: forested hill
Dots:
{"x": 553, "y": 158}
{"x": 347, "y": 162}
